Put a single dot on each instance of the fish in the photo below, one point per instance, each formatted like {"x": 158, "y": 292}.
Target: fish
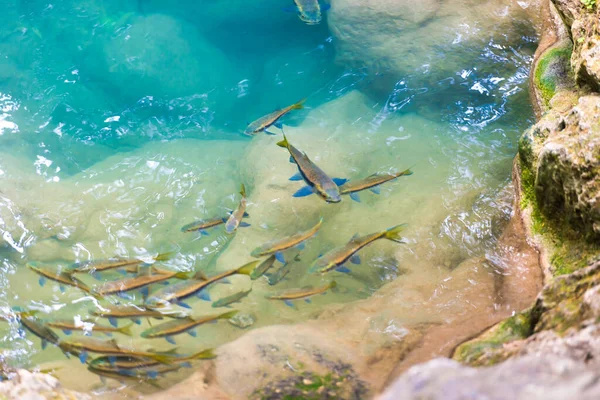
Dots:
{"x": 123, "y": 375}
{"x": 112, "y": 263}
{"x": 371, "y": 182}
{"x": 68, "y": 326}
{"x": 317, "y": 180}
{"x": 38, "y": 328}
{"x": 145, "y": 278}
{"x": 271, "y": 119}
{"x": 234, "y": 298}
{"x": 169, "y": 329}
{"x": 133, "y": 312}
{"x": 203, "y": 224}
{"x": 338, "y": 256}
{"x": 277, "y": 246}
{"x": 235, "y": 219}
{"x": 84, "y": 345}
{"x": 310, "y": 11}
{"x": 130, "y": 362}
{"x": 61, "y": 277}
{"x": 181, "y": 290}
{"x": 295, "y": 294}
{"x": 262, "y": 268}
{"x": 282, "y": 272}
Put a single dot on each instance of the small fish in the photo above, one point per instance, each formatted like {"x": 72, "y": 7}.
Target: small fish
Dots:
{"x": 309, "y": 11}
{"x": 178, "y": 291}
{"x": 283, "y": 271}
{"x": 124, "y": 375}
{"x": 371, "y": 182}
{"x": 109, "y": 363}
{"x": 176, "y": 327}
{"x": 235, "y": 219}
{"x": 112, "y": 263}
{"x": 150, "y": 276}
{"x": 37, "y": 327}
{"x": 132, "y": 312}
{"x": 318, "y": 181}
{"x": 338, "y": 256}
{"x": 294, "y": 294}
{"x": 234, "y": 298}
{"x": 277, "y": 246}
{"x": 61, "y": 277}
{"x": 67, "y": 326}
{"x": 203, "y": 224}
{"x": 271, "y": 119}
{"x": 262, "y": 268}
{"x": 83, "y": 345}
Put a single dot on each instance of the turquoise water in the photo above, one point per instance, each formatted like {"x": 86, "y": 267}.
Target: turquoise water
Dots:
{"x": 121, "y": 121}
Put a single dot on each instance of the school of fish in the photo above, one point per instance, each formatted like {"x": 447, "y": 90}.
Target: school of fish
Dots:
{"x": 166, "y": 293}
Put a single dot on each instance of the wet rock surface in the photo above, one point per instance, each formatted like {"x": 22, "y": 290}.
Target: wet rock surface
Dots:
{"x": 33, "y": 386}
{"x": 542, "y": 376}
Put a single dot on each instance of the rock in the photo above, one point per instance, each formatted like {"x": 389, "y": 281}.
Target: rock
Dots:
{"x": 562, "y": 152}
{"x": 401, "y": 38}
{"x": 552, "y": 72}
{"x": 35, "y": 386}
{"x": 543, "y": 376}
{"x": 583, "y": 23}
{"x": 242, "y": 320}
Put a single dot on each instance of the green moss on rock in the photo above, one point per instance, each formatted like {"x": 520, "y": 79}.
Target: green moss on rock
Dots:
{"x": 489, "y": 348}
{"x": 552, "y": 71}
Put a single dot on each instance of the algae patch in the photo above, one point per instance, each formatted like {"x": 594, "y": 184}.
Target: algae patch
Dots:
{"x": 552, "y": 72}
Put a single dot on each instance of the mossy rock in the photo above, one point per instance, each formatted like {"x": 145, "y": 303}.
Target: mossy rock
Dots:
{"x": 553, "y": 72}
{"x": 489, "y": 348}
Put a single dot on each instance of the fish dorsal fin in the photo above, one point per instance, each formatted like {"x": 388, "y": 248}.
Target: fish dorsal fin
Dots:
{"x": 354, "y": 237}
{"x": 200, "y": 275}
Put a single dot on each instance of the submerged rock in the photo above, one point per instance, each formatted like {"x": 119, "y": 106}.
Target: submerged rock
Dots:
{"x": 35, "y": 386}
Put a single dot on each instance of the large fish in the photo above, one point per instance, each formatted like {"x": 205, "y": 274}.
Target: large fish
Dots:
{"x": 271, "y": 119}
{"x": 125, "y": 375}
{"x": 112, "y": 263}
{"x": 69, "y": 326}
{"x": 37, "y": 327}
{"x": 150, "y": 276}
{"x": 318, "y": 181}
{"x": 235, "y": 219}
{"x": 277, "y": 246}
{"x": 113, "y": 362}
{"x": 171, "y": 328}
{"x": 310, "y": 11}
{"x": 62, "y": 277}
{"x": 371, "y": 182}
{"x": 82, "y": 346}
{"x": 177, "y": 292}
{"x": 294, "y": 294}
{"x": 335, "y": 258}
{"x": 234, "y": 298}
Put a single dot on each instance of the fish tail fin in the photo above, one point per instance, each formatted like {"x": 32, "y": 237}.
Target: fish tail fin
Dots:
{"x": 164, "y": 256}
{"x": 247, "y": 269}
{"x": 243, "y": 190}
{"x": 406, "y": 172}
{"x": 126, "y": 330}
{"x": 163, "y": 358}
{"x": 394, "y": 233}
{"x": 228, "y": 314}
{"x": 333, "y": 285}
{"x": 204, "y": 355}
{"x": 299, "y": 105}
{"x": 284, "y": 143}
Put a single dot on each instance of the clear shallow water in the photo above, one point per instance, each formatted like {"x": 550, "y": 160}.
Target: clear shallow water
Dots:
{"x": 120, "y": 122}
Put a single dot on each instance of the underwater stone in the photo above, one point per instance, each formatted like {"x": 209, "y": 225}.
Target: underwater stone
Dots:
{"x": 242, "y": 320}
{"x": 36, "y": 386}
